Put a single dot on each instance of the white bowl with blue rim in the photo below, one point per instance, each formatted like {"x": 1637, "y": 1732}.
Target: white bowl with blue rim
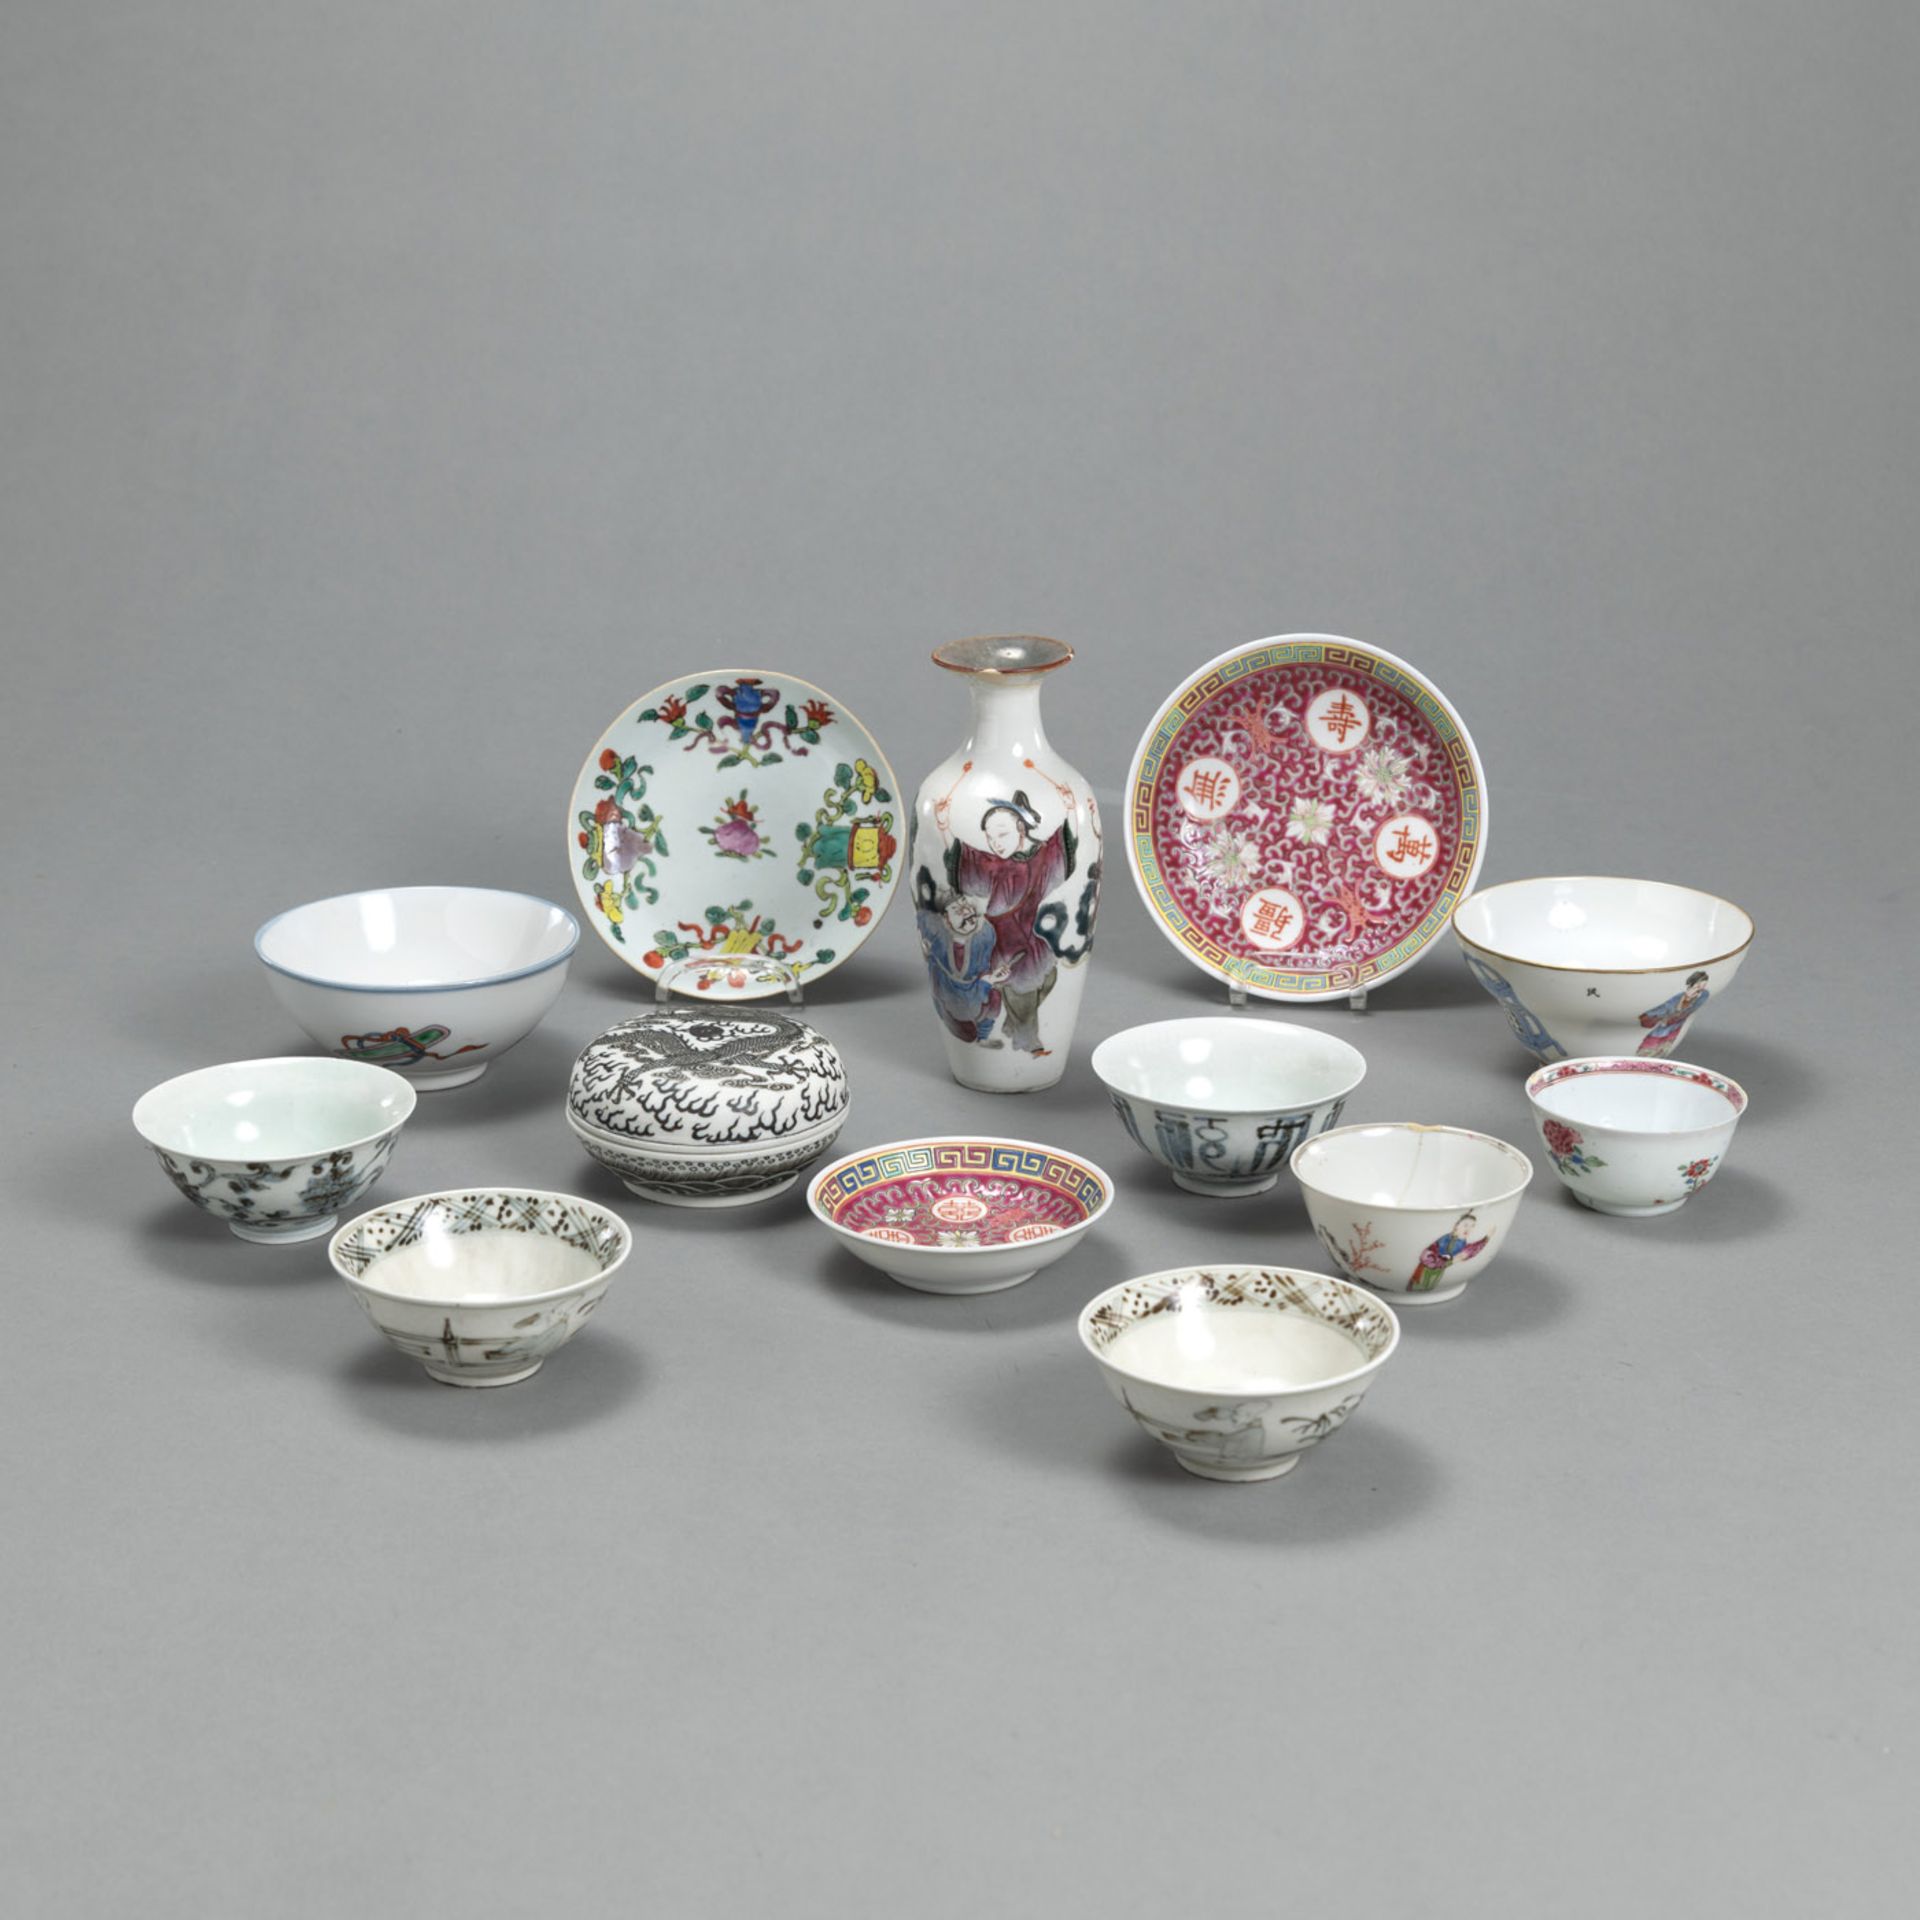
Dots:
{"x": 433, "y": 983}
{"x": 275, "y": 1149}
{"x": 1221, "y": 1102}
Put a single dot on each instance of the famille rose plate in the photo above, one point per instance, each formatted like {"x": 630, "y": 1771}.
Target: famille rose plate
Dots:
{"x": 1304, "y": 815}
{"x": 740, "y": 812}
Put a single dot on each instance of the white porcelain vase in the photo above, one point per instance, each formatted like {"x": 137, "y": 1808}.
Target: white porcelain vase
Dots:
{"x": 1005, "y": 858}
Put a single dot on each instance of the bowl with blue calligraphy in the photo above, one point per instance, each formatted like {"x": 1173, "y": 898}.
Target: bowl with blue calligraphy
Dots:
{"x": 275, "y": 1149}
{"x": 1221, "y": 1102}
{"x": 1585, "y": 965}
{"x": 960, "y": 1213}
{"x": 1411, "y": 1210}
{"x": 434, "y": 983}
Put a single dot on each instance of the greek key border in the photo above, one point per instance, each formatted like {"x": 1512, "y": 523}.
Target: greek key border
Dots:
{"x": 837, "y": 1189}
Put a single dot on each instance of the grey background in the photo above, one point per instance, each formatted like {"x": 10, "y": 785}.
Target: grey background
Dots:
{"x": 393, "y": 392}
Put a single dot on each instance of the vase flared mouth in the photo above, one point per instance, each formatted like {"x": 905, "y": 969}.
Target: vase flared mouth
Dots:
{"x": 1003, "y": 653}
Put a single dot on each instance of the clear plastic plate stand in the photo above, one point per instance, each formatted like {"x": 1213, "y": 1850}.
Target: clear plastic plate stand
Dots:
{"x": 1237, "y": 998}
{"x": 759, "y": 966}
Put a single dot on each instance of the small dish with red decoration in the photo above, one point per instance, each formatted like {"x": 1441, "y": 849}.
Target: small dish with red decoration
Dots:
{"x": 960, "y": 1213}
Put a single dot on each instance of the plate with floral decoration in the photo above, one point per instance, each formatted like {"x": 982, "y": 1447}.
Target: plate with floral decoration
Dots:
{"x": 737, "y": 812}
{"x": 1304, "y": 814}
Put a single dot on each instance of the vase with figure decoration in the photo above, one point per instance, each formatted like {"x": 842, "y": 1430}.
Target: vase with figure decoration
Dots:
{"x": 1005, "y": 858}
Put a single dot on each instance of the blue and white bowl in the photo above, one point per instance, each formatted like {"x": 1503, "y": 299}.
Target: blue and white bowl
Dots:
{"x": 1222, "y": 1102}
{"x": 276, "y": 1149}
{"x": 435, "y": 983}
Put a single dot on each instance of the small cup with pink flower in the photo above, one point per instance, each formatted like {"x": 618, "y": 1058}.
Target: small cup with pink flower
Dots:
{"x": 1634, "y": 1136}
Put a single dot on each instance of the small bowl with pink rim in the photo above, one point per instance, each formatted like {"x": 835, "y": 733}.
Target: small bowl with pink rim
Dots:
{"x": 1238, "y": 1371}
{"x": 1632, "y": 1136}
{"x": 960, "y": 1213}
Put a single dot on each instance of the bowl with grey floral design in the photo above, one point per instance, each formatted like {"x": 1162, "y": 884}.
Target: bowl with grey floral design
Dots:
{"x": 1238, "y": 1371}
{"x": 481, "y": 1285}
{"x": 275, "y": 1149}
{"x": 1633, "y": 1136}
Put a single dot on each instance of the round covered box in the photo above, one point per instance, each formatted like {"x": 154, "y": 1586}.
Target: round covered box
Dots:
{"x": 708, "y": 1106}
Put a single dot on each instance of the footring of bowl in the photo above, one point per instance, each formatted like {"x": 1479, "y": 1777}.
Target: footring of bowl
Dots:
{"x": 662, "y": 1197}
{"x": 977, "y": 1286}
{"x": 454, "y": 1077}
{"x": 1253, "y": 1470}
{"x": 284, "y": 1236}
{"x": 467, "y": 1377}
{"x": 1406, "y": 1296}
{"x": 1633, "y": 1213}
{"x": 1225, "y": 1189}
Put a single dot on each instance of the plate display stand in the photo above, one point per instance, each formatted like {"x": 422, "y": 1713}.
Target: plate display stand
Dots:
{"x": 1237, "y": 998}
{"x": 734, "y": 971}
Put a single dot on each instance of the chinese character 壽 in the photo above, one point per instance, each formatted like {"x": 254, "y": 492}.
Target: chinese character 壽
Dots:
{"x": 1340, "y": 719}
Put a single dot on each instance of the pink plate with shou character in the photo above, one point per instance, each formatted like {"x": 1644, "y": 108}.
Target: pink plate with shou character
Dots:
{"x": 732, "y": 819}
{"x": 960, "y": 1213}
{"x": 1304, "y": 815}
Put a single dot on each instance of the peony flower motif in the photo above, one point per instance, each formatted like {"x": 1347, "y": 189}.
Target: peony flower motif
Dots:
{"x": 818, "y": 713}
{"x": 673, "y": 709}
{"x": 1696, "y": 1169}
{"x": 1231, "y": 858}
{"x": 609, "y": 760}
{"x": 1560, "y": 1138}
{"x": 1383, "y": 774}
{"x": 1310, "y": 821}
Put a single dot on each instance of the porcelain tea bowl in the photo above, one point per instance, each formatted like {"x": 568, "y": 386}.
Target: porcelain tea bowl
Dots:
{"x": 1221, "y": 1102}
{"x": 1410, "y": 1210}
{"x": 434, "y": 982}
{"x": 960, "y": 1214}
{"x": 1632, "y": 1136}
{"x": 1587, "y": 966}
{"x": 481, "y": 1286}
{"x": 275, "y": 1148}
{"x": 1239, "y": 1370}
